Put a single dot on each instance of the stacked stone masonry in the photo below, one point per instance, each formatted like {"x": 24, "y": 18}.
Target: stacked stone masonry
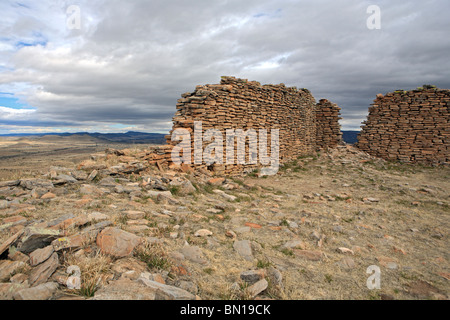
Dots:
{"x": 409, "y": 126}
{"x": 328, "y": 133}
{"x": 304, "y": 126}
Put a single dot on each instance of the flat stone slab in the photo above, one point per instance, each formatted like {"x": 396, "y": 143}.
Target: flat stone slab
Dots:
{"x": 252, "y": 276}
{"x": 40, "y": 255}
{"x": 42, "y": 273}
{"x": 193, "y": 254}
{"x": 5, "y": 246}
{"x": 36, "y": 238}
{"x": 258, "y": 287}
{"x": 244, "y": 249}
{"x": 41, "y": 292}
{"x": 8, "y": 268}
{"x": 30, "y": 184}
{"x": 7, "y": 290}
{"x": 125, "y": 289}
{"x": 309, "y": 254}
{"x": 165, "y": 292}
{"x": 11, "y": 183}
{"x": 116, "y": 242}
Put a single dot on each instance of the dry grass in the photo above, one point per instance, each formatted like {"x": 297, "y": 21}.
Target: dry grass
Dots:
{"x": 409, "y": 198}
{"x": 94, "y": 268}
{"x": 154, "y": 256}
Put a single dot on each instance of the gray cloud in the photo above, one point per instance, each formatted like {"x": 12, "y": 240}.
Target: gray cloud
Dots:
{"x": 131, "y": 60}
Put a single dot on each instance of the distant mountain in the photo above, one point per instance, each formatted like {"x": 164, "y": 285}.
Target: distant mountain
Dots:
{"x": 350, "y": 137}
{"x": 128, "y": 137}
{"x": 132, "y": 137}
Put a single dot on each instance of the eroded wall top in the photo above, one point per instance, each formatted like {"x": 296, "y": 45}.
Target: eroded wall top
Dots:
{"x": 242, "y": 104}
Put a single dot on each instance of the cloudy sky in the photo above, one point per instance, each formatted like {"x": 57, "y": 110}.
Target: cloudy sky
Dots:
{"x": 127, "y": 62}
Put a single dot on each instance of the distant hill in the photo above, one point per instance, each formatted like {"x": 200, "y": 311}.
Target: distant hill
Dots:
{"x": 350, "y": 137}
{"x": 128, "y": 137}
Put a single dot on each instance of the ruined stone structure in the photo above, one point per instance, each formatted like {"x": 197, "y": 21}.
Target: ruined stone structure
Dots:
{"x": 304, "y": 126}
{"x": 328, "y": 130}
{"x": 409, "y": 126}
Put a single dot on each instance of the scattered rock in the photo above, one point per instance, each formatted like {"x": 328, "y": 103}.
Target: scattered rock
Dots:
{"x": 294, "y": 244}
{"x": 4, "y": 204}
{"x": 15, "y": 255}
{"x": 165, "y": 292}
{"x": 58, "y": 220}
{"x": 231, "y": 234}
{"x": 276, "y": 278}
{"x": 30, "y": 184}
{"x": 134, "y": 215}
{"x": 92, "y": 175}
{"x": 41, "y": 292}
{"x": 216, "y": 181}
{"x": 186, "y": 188}
{"x": 252, "y": 276}
{"x": 36, "y": 238}
{"x": 11, "y": 240}
{"x": 203, "y": 233}
{"x": 7, "y": 290}
{"x": 392, "y": 266}
{"x": 309, "y": 254}
{"x": 387, "y": 262}
{"x": 125, "y": 289}
{"x": 129, "y": 267}
{"x": 155, "y": 194}
{"x": 8, "y": 268}
{"x": 11, "y": 183}
{"x": 225, "y": 195}
{"x": 253, "y": 225}
{"x": 43, "y": 272}
{"x": 87, "y": 189}
{"x": 74, "y": 241}
{"x": 243, "y": 229}
{"x": 244, "y": 249}
{"x": 424, "y": 290}
{"x": 116, "y": 242}
{"x": 66, "y": 178}
{"x": 188, "y": 286}
{"x": 347, "y": 263}
{"x": 108, "y": 182}
{"x": 97, "y": 217}
{"x": 48, "y": 196}
{"x": 79, "y": 175}
{"x": 345, "y": 251}
{"x": 153, "y": 277}
{"x": 37, "y": 193}
{"x": 19, "y": 278}
{"x": 257, "y": 288}
{"x": 315, "y": 235}
{"x": 193, "y": 254}
{"x": 40, "y": 255}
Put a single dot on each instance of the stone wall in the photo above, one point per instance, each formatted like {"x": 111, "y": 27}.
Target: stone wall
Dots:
{"x": 242, "y": 104}
{"x": 409, "y": 126}
{"x": 328, "y": 130}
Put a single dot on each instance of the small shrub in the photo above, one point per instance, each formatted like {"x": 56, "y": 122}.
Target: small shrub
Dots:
{"x": 153, "y": 256}
{"x": 288, "y": 252}
{"x": 175, "y": 190}
{"x": 263, "y": 264}
{"x": 208, "y": 271}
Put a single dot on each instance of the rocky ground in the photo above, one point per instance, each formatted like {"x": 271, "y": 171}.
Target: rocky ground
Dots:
{"x": 114, "y": 228}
